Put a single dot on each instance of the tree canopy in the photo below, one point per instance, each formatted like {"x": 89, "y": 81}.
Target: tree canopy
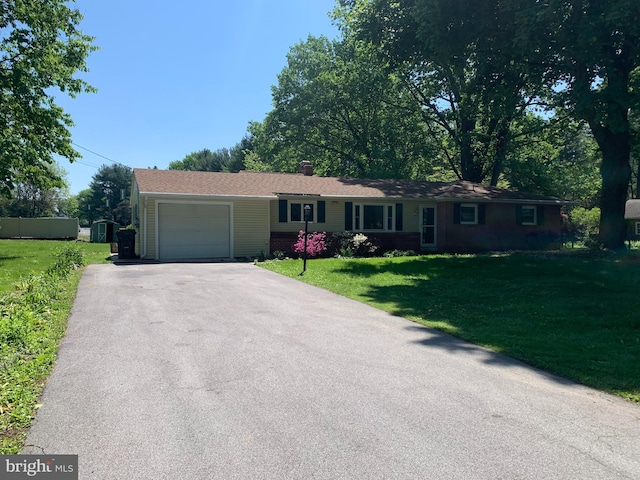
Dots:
{"x": 335, "y": 103}
{"x": 221, "y": 160}
{"x": 597, "y": 51}
{"x": 478, "y": 68}
{"x": 108, "y": 195}
{"x": 463, "y": 65}
{"x": 41, "y": 51}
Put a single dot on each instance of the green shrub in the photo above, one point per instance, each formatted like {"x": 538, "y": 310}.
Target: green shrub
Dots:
{"x": 350, "y": 244}
{"x": 67, "y": 259}
{"x": 586, "y": 225}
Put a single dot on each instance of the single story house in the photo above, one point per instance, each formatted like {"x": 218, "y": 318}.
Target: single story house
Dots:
{"x": 632, "y": 215}
{"x": 187, "y": 215}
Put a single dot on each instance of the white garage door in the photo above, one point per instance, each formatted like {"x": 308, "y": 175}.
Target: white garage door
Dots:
{"x": 193, "y": 231}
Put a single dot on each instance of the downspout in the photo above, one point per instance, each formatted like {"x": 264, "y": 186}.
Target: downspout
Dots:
{"x": 143, "y": 253}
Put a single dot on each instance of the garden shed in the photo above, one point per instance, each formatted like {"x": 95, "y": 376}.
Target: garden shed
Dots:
{"x": 632, "y": 215}
{"x": 103, "y": 231}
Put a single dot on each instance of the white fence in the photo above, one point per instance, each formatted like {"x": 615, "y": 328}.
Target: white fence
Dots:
{"x": 50, "y": 228}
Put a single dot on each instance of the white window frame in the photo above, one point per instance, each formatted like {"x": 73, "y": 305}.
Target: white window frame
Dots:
{"x": 387, "y": 220}
{"x": 314, "y": 213}
{"x": 535, "y": 214}
{"x": 475, "y": 213}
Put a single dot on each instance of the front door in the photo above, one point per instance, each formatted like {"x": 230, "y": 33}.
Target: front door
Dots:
{"x": 428, "y": 233}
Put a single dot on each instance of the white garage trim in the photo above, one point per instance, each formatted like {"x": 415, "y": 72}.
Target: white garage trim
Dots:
{"x": 158, "y": 254}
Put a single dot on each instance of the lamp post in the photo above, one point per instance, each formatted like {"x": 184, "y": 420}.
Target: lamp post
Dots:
{"x": 307, "y": 214}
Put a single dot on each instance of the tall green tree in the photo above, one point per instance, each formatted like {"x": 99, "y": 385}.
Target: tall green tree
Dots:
{"x": 221, "y": 160}
{"x": 561, "y": 159}
{"x": 336, "y": 105}
{"x": 41, "y": 51}
{"x": 110, "y": 190}
{"x": 461, "y": 61}
{"x": 45, "y": 200}
{"x": 597, "y": 50}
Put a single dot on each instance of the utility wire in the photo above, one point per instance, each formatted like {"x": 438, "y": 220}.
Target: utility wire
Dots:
{"x": 99, "y": 155}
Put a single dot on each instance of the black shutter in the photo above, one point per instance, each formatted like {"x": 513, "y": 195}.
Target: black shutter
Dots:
{"x": 540, "y": 215}
{"x": 456, "y": 213}
{"x": 321, "y": 211}
{"x": 282, "y": 211}
{"x": 518, "y": 214}
{"x": 398, "y": 217}
{"x": 482, "y": 214}
{"x": 348, "y": 216}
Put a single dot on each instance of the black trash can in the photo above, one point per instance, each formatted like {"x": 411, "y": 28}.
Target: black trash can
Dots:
{"x": 126, "y": 244}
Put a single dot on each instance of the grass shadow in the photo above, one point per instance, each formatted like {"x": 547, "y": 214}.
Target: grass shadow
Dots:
{"x": 573, "y": 316}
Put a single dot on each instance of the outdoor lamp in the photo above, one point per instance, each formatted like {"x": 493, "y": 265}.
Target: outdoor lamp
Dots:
{"x": 307, "y": 214}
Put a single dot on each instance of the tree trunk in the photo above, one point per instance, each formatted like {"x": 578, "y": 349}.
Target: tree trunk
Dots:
{"x": 616, "y": 175}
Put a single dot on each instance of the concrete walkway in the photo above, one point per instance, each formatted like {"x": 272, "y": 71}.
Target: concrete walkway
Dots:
{"x": 228, "y": 371}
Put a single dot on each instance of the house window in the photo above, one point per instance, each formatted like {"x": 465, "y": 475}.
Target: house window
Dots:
{"x": 529, "y": 215}
{"x": 468, "y": 214}
{"x": 373, "y": 217}
{"x": 296, "y": 212}
{"x": 638, "y": 228}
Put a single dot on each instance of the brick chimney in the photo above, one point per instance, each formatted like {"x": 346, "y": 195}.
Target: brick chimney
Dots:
{"x": 306, "y": 168}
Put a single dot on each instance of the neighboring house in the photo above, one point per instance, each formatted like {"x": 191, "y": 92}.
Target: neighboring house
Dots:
{"x": 211, "y": 215}
{"x": 632, "y": 215}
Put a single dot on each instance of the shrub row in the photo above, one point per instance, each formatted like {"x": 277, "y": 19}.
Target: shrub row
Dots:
{"x": 30, "y": 329}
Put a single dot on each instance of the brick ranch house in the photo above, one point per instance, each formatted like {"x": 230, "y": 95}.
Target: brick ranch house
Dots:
{"x": 186, "y": 215}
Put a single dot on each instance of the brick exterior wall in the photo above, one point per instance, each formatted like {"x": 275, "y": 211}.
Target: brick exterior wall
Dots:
{"x": 500, "y": 231}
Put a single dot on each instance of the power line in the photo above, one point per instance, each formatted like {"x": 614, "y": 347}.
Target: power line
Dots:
{"x": 99, "y": 155}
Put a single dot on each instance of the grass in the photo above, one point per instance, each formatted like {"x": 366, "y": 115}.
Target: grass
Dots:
{"x": 19, "y": 258}
{"x": 570, "y": 314}
{"x": 37, "y": 288}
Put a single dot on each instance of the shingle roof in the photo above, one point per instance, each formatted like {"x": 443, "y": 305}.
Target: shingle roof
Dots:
{"x": 632, "y": 209}
{"x": 272, "y": 185}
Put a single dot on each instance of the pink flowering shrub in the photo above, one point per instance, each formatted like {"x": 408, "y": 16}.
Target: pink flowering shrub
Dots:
{"x": 316, "y": 244}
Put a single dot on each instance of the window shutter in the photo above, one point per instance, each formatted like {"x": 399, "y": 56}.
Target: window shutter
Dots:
{"x": 456, "y": 213}
{"x": 540, "y": 214}
{"x": 282, "y": 211}
{"x": 398, "y": 217}
{"x": 348, "y": 216}
{"x": 321, "y": 211}
{"x": 518, "y": 214}
{"x": 482, "y": 214}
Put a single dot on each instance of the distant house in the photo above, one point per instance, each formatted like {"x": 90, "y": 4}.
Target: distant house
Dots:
{"x": 209, "y": 215}
{"x": 632, "y": 215}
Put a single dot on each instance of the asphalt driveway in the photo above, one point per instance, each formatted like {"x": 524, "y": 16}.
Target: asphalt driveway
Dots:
{"x": 225, "y": 371}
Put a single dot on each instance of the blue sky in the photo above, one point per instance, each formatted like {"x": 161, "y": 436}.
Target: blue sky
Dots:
{"x": 177, "y": 77}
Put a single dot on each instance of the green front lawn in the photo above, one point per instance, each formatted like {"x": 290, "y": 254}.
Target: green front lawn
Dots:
{"x": 573, "y": 315}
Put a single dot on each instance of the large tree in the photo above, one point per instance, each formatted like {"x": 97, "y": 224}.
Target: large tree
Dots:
{"x": 466, "y": 70}
{"x": 110, "y": 190}
{"x": 597, "y": 49}
{"x": 336, "y": 105}
{"x": 41, "y": 51}
{"x": 50, "y": 198}
{"x": 221, "y": 160}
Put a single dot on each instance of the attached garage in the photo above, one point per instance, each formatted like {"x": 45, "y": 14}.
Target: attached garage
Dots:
{"x": 194, "y": 230}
